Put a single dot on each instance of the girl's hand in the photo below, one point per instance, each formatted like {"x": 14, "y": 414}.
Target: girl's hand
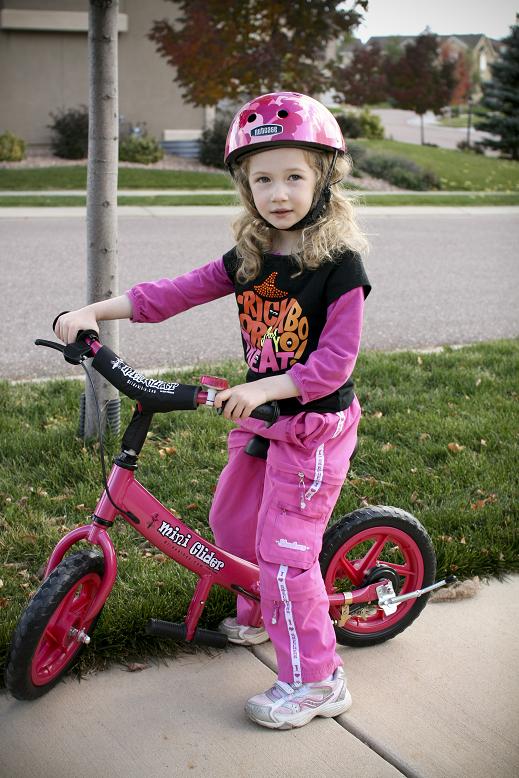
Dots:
{"x": 69, "y": 324}
{"x": 87, "y": 318}
{"x": 241, "y": 400}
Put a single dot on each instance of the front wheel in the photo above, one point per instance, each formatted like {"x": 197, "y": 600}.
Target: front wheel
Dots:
{"x": 365, "y": 546}
{"x": 45, "y": 643}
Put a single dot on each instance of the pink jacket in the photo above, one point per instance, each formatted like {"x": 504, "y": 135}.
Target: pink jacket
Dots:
{"x": 327, "y": 368}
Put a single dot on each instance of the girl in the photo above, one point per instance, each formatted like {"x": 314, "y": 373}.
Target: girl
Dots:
{"x": 300, "y": 286}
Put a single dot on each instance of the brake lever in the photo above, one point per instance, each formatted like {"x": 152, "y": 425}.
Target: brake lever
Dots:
{"x": 74, "y": 353}
{"x": 50, "y": 344}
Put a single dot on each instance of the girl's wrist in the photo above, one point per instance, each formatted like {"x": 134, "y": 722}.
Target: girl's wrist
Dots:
{"x": 279, "y": 387}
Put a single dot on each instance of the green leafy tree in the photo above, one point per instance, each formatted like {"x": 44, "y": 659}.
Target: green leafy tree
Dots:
{"x": 501, "y": 98}
{"x": 419, "y": 80}
{"x": 243, "y": 47}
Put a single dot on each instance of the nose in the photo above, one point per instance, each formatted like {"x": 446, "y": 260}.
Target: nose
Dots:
{"x": 279, "y": 192}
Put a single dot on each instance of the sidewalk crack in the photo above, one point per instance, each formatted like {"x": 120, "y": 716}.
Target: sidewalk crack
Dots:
{"x": 375, "y": 745}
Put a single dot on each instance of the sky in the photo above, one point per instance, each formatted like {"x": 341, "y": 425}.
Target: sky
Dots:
{"x": 410, "y": 17}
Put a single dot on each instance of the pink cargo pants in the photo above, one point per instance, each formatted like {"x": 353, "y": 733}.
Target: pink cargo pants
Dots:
{"x": 274, "y": 513}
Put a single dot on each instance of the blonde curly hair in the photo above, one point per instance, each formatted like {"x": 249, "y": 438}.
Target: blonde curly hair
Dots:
{"x": 336, "y": 231}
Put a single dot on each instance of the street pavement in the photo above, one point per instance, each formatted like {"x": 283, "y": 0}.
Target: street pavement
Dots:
{"x": 405, "y": 126}
{"x": 440, "y": 276}
{"x": 441, "y": 700}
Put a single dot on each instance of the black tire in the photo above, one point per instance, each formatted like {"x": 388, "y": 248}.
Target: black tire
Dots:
{"x": 26, "y": 678}
{"x": 410, "y": 551}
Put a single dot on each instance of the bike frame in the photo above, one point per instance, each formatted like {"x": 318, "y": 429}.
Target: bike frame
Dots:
{"x": 167, "y": 532}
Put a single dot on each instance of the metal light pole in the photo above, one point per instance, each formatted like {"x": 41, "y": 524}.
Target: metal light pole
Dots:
{"x": 469, "y": 118}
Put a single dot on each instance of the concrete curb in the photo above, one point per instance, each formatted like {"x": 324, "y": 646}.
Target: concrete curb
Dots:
{"x": 231, "y": 210}
{"x": 179, "y": 192}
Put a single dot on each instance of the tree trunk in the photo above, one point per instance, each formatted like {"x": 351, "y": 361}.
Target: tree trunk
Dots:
{"x": 102, "y": 270}
{"x": 422, "y": 135}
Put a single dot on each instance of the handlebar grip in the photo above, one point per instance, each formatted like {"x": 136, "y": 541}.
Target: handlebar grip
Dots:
{"x": 83, "y": 334}
{"x": 268, "y": 412}
{"x": 154, "y": 395}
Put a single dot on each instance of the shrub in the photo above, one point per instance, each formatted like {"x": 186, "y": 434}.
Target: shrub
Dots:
{"x": 363, "y": 124}
{"x": 464, "y": 146}
{"x": 350, "y": 124}
{"x": 140, "y": 148}
{"x": 70, "y": 128}
{"x": 358, "y": 155}
{"x": 12, "y": 149}
{"x": 371, "y": 125}
{"x": 400, "y": 172}
{"x": 212, "y": 144}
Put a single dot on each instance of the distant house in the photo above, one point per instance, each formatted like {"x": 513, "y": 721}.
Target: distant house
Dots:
{"x": 44, "y": 67}
{"x": 483, "y": 51}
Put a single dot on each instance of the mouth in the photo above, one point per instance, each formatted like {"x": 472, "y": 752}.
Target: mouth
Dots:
{"x": 282, "y": 212}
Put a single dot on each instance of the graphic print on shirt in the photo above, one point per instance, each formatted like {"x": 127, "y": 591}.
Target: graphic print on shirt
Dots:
{"x": 273, "y": 327}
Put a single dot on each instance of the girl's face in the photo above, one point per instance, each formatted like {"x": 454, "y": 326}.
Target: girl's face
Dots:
{"x": 282, "y": 185}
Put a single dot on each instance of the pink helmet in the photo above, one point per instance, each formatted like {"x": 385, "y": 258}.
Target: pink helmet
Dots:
{"x": 282, "y": 119}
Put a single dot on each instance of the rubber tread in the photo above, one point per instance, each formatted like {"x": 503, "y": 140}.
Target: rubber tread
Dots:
{"x": 36, "y": 617}
{"x": 364, "y": 518}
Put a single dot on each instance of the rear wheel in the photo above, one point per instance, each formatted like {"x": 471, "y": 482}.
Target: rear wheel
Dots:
{"x": 366, "y": 546}
{"x": 45, "y": 644}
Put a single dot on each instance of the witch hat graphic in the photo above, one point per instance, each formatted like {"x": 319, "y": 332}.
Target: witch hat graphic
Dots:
{"x": 268, "y": 290}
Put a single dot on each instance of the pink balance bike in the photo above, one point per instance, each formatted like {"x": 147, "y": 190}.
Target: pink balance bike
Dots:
{"x": 378, "y": 563}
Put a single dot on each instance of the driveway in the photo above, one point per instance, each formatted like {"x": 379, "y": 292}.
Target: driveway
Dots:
{"x": 405, "y": 126}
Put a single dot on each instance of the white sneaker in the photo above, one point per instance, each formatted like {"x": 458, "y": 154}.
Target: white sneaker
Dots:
{"x": 241, "y": 633}
{"x": 284, "y": 706}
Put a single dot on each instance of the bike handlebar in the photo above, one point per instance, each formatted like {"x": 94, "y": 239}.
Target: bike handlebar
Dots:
{"x": 153, "y": 395}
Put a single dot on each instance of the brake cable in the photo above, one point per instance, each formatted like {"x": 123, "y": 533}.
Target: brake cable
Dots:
{"x": 101, "y": 448}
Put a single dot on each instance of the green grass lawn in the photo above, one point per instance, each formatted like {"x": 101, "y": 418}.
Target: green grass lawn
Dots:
{"x": 439, "y": 438}
{"x": 455, "y": 121}
{"x": 75, "y": 177}
{"x": 457, "y": 170}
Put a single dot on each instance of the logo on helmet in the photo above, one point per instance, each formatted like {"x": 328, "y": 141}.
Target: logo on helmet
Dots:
{"x": 267, "y": 129}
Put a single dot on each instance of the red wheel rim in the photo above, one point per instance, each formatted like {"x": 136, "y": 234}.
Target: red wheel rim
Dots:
{"x": 57, "y": 646}
{"x": 386, "y": 546}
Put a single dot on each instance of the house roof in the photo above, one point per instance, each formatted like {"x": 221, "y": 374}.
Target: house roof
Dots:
{"x": 470, "y": 40}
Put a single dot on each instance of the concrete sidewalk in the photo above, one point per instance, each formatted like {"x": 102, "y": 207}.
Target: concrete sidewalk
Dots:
{"x": 439, "y": 701}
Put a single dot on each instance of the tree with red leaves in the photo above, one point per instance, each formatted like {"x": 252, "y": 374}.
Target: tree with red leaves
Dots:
{"x": 238, "y": 48}
{"x": 419, "y": 80}
{"x": 363, "y": 80}
{"x": 463, "y": 72}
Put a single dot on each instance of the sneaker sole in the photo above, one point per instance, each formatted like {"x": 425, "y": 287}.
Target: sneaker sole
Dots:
{"x": 299, "y": 720}
{"x": 249, "y": 641}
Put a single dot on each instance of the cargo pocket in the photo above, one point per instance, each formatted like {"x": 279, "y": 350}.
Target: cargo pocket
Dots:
{"x": 290, "y": 537}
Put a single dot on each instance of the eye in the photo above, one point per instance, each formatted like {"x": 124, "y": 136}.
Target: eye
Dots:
{"x": 262, "y": 180}
{"x": 252, "y": 117}
{"x": 295, "y": 176}
{"x": 282, "y": 114}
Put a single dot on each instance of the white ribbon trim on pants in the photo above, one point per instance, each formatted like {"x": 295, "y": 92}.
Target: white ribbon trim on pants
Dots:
{"x": 292, "y": 633}
{"x": 318, "y": 474}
